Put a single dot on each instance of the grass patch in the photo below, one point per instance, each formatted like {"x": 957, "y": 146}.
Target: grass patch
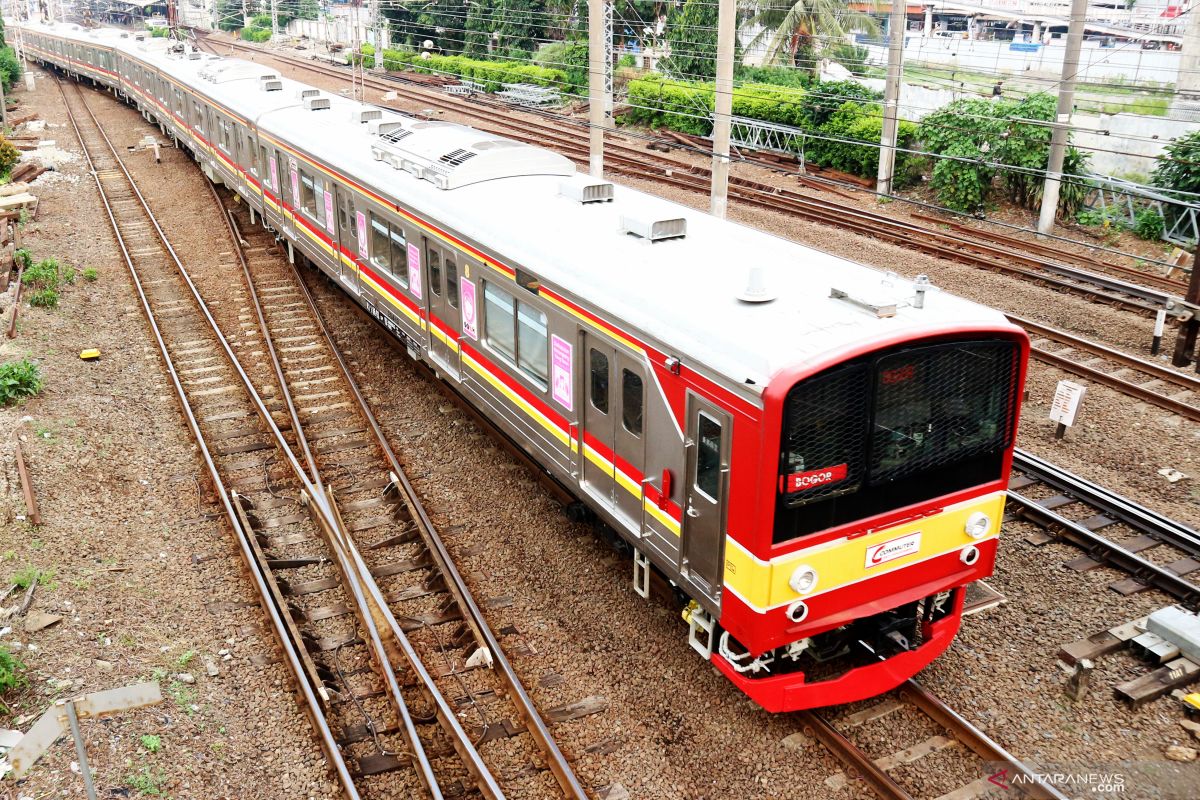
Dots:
{"x": 44, "y": 298}
{"x": 151, "y": 742}
{"x": 90, "y": 274}
{"x": 24, "y": 578}
{"x": 146, "y": 782}
{"x": 12, "y": 674}
{"x": 18, "y": 380}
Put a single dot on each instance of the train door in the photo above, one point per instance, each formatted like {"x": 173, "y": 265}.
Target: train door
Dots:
{"x": 444, "y": 305}
{"x": 352, "y": 234}
{"x": 702, "y": 545}
{"x": 614, "y": 449}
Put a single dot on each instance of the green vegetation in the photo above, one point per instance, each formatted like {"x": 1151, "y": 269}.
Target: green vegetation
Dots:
{"x": 23, "y": 258}
{"x": 798, "y": 32}
{"x": 26, "y": 577}
{"x": 10, "y": 67}
{"x": 692, "y": 41}
{"x": 151, "y": 742}
{"x": 19, "y": 379}
{"x": 1148, "y": 224}
{"x": 12, "y": 675}
{"x": 255, "y": 34}
{"x": 990, "y": 144}
{"x": 1176, "y": 172}
{"x": 9, "y": 156}
{"x": 146, "y": 782}
{"x": 90, "y": 274}
{"x": 44, "y": 298}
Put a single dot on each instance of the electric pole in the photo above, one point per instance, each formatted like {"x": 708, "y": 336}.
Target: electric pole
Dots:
{"x": 722, "y": 108}
{"x": 1062, "y": 119}
{"x": 274, "y": 18}
{"x": 897, "y": 23}
{"x": 376, "y": 36}
{"x": 600, "y": 84}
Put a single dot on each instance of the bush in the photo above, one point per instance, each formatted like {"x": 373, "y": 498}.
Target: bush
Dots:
{"x": 260, "y": 21}
{"x": 19, "y": 379}
{"x": 364, "y": 56}
{"x": 44, "y": 298}
{"x": 257, "y": 35}
{"x": 628, "y": 60}
{"x": 9, "y": 156}
{"x": 775, "y": 76}
{"x": 1148, "y": 224}
{"x": 160, "y": 33}
{"x": 850, "y": 56}
{"x": 47, "y": 274}
{"x": 1176, "y": 171}
{"x": 23, "y": 258}
{"x": 12, "y": 674}
{"x": 90, "y": 274}
{"x": 10, "y": 67}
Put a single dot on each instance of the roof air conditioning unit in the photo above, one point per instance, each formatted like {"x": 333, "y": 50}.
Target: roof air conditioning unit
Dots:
{"x": 381, "y": 128}
{"x": 194, "y": 55}
{"x": 272, "y": 86}
{"x": 304, "y": 94}
{"x": 316, "y": 103}
{"x": 587, "y": 191}
{"x": 365, "y": 115}
{"x": 654, "y": 230}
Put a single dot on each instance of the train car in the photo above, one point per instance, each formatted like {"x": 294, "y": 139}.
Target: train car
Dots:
{"x": 814, "y": 453}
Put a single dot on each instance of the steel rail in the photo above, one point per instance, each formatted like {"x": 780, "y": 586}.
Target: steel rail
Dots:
{"x": 1135, "y": 515}
{"x": 956, "y": 247}
{"x": 557, "y": 762}
{"x": 312, "y": 703}
{"x": 857, "y": 763}
{"x": 318, "y": 505}
{"x": 1107, "y": 378}
{"x": 977, "y": 741}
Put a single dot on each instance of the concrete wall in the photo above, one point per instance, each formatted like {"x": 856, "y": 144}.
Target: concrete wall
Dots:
{"x": 1123, "y": 62}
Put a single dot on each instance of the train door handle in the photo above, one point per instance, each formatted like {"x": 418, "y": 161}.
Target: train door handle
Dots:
{"x": 692, "y": 512}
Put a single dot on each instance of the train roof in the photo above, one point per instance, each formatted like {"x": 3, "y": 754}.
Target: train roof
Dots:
{"x": 684, "y": 293}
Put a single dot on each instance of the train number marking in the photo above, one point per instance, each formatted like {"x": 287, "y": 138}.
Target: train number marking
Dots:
{"x": 799, "y": 481}
{"x": 892, "y": 549}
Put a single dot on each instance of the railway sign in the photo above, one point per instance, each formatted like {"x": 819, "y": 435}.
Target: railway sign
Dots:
{"x": 1065, "y": 405}
{"x": 469, "y": 316}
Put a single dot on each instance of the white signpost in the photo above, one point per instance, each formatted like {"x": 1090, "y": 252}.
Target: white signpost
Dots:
{"x": 1067, "y": 398}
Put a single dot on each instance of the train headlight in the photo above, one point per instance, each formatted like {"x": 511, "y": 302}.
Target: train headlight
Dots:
{"x": 797, "y": 611}
{"x": 969, "y": 555}
{"x": 978, "y": 524}
{"x": 803, "y": 579}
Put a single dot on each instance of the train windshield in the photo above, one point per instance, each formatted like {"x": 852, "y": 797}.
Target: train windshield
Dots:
{"x": 893, "y": 429}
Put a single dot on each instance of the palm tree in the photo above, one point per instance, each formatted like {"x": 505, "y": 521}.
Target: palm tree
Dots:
{"x": 788, "y": 28}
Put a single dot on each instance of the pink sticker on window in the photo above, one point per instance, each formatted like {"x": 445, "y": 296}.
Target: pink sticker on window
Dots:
{"x": 560, "y": 369}
{"x": 361, "y": 220}
{"x": 414, "y": 270}
{"x": 295, "y": 184}
{"x": 274, "y": 176}
{"x": 469, "y": 318}
{"x": 329, "y": 222}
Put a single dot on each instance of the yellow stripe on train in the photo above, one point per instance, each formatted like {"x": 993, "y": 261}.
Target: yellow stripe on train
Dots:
{"x": 764, "y": 585}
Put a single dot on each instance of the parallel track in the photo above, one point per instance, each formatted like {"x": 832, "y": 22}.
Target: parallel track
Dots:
{"x": 1007, "y": 255}
{"x": 356, "y": 667}
{"x": 1080, "y": 512}
{"x": 999, "y": 768}
{"x": 1145, "y": 380}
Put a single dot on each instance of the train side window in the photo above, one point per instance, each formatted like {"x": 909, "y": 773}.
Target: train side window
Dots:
{"x": 498, "y": 320}
{"x": 435, "y": 272}
{"x": 599, "y": 380}
{"x": 708, "y": 457}
{"x": 532, "y": 343}
{"x": 399, "y": 254}
{"x": 308, "y": 196}
{"x": 451, "y": 282}
{"x": 631, "y": 401}
{"x": 381, "y": 250}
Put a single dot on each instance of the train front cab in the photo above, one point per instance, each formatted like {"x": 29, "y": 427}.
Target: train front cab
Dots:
{"x": 886, "y": 504}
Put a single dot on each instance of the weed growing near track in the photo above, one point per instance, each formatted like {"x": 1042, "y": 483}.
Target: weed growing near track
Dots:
{"x": 12, "y": 675}
{"x": 24, "y": 578}
{"x": 146, "y": 782}
{"x": 90, "y": 274}
{"x": 151, "y": 742}
{"x": 18, "y": 380}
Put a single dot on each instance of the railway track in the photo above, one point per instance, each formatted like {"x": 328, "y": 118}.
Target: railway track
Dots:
{"x": 994, "y": 253}
{"x": 324, "y": 532}
{"x": 1153, "y": 550}
{"x": 922, "y": 713}
{"x": 1145, "y": 380}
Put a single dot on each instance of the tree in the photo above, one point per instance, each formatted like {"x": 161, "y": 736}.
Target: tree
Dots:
{"x": 692, "y": 41}
{"x": 794, "y": 32}
{"x": 1178, "y": 170}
